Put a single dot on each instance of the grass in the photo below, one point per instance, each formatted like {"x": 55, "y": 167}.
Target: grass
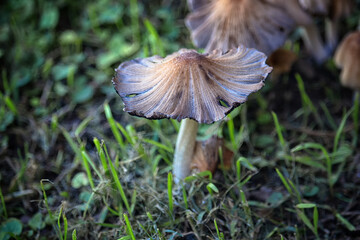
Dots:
{"x": 74, "y": 165}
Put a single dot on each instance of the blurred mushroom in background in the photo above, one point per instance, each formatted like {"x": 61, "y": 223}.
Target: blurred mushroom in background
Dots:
{"x": 332, "y": 11}
{"x": 225, "y": 24}
{"x": 311, "y": 33}
{"x": 281, "y": 61}
{"x": 338, "y": 9}
{"x": 192, "y": 88}
{"x": 316, "y": 7}
{"x": 347, "y": 57}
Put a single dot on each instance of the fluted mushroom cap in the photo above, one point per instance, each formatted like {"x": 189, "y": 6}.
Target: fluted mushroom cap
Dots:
{"x": 347, "y": 57}
{"x": 186, "y": 84}
{"x": 225, "y": 24}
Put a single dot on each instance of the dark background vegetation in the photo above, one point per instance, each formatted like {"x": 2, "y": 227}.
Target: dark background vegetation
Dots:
{"x": 57, "y": 59}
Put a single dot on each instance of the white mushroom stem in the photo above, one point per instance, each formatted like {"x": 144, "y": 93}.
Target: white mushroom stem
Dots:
{"x": 184, "y": 148}
{"x": 331, "y": 31}
{"x": 313, "y": 43}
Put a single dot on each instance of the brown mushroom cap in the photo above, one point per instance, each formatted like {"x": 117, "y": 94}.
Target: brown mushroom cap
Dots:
{"x": 347, "y": 57}
{"x": 224, "y": 24}
{"x": 186, "y": 84}
{"x": 281, "y": 60}
{"x": 341, "y": 8}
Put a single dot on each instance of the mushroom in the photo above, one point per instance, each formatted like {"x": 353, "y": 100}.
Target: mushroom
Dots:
{"x": 281, "y": 60}
{"x": 316, "y": 7}
{"x": 338, "y": 9}
{"x": 310, "y": 32}
{"x": 224, "y": 24}
{"x": 313, "y": 43}
{"x": 192, "y": 87}
{"x": 347, "y": 57}
{"x": 333, "y": 11}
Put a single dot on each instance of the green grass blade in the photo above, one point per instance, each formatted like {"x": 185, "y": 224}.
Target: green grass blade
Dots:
{"x": 246, "y": 208}
{"x": 46, "y": 200}
{"x": 211, "y": 187}
{"x": 278, "y": 129}
{"x": 92, "y": 164}
{"x": 305, "y": 220}
{"x": 71, "y": 142}
{"x": 144, "y": 229}
{"x": 155, "y": 41}
{"x": 113, "y": 126}
{"x": 231, "y": 129}
{"x": 238, "y": 170}
{"x": 325, "y": 153}
{"x": 219, "y": 234}
{"x": 117, "y": 182}
{"x": 129, "y": 228}
{"x": 51, "y": 215}
{"x": 125, "y": 238}
{"x": 245, "y": 162}
{"x": 101, "y": 155}
{"x": 126, "y": 134}
{"x": 3, "y": 204}
{"x": 82, "y": 126}
{"x": 88, "y": 170}
{"x": 59, "y": 222}
{"x": 65, "y": 225}
{"x": 159, "y": 145}
{"x": 305, "y": 205}
{"x": 316, "y": 220}
{"x": 340, "y": 130}
{"x": 329, "y": 116}
{"x": 73, "y": 235}
{"x": 199, "y": 175}
{"x": 184, "y": 196}
{"x": 307, "y": 103}
{"x": 284, "y": 181}
{"x": 355, "y": 115}
{"x": 345, "y": 222}
{"x": 297, "y": 193}
{"x": 148, "y": 214}
{"x": 9, "y": 103}
{"x": 309, "y": 161}
{"x": 176, "y": 124}
{"x": 133, "y": 200}
{"x": 170, "y": 196}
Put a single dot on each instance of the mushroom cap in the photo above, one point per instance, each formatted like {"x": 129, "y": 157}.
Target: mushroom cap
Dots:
{"x": 186, "y": 84}
{"x": 318, "y": 7}
{"x": 281, "y": 60}
{"x": 347, "y": 57}
{"x": 340, "y": 9}
{"x": 225, "y": 24}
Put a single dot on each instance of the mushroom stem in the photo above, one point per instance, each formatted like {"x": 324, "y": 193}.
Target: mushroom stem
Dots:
{"x": 313, "y": 43}
{"x": 331, "y": 30}
{"x": 184, "y": 148}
